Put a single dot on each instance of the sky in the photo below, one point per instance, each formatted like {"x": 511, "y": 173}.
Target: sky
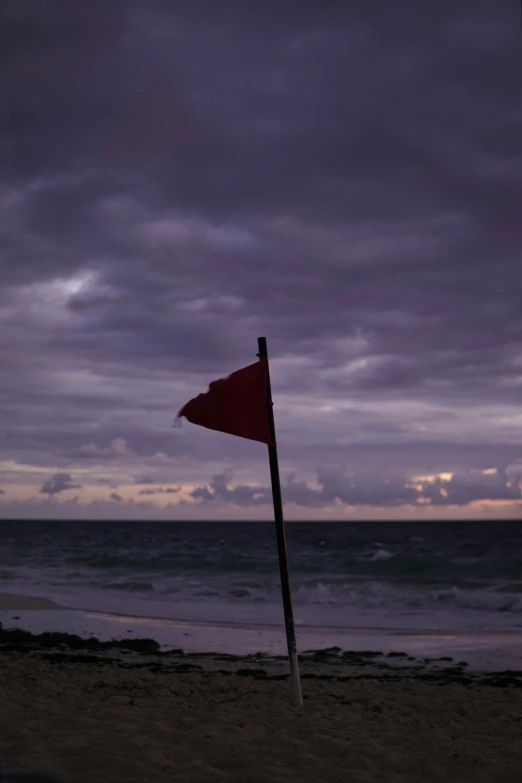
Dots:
{"x": 178, "y": 179}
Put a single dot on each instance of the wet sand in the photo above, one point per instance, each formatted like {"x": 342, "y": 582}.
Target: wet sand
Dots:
{"x": 482, "y": 651}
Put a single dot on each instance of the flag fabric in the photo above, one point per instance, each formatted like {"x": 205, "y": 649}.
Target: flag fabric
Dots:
{"x": 236, "y": 405}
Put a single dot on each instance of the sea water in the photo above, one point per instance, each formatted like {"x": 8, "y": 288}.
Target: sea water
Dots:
{"x": 392, "y": 576}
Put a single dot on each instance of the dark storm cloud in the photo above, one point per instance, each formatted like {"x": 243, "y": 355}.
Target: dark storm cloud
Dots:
{"x": 420, "y": 456}
{"x": 240, "y": 496}
{"x": 107, "y": 482}
{"x": 387, "y": 490}
{"x": 299, "y": 493}
{"x": 58, "y": 483}
{"x": 159, "y": 490}
{"x": 344, "y": 178}
{"x": 468, "y": 487}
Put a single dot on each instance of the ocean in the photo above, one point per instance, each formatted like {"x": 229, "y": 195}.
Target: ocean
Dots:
{"x": 391, "y": 576}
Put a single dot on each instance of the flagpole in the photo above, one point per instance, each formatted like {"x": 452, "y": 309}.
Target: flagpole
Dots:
{"x": 281, "y": 540}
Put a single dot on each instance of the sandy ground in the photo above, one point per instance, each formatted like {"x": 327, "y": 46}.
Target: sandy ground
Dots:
{"x": 86, "y": 710}
{"x": 84, "y": 722}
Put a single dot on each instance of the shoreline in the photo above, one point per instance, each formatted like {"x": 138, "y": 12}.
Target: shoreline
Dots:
{"x": 331, "y": 664}
{"x": 39, "y": 627}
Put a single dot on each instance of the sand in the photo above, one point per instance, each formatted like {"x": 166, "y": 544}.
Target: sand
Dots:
{"x": 116, "y": 710}
{"x": 84, "y": 722}
{"x": 12, "y": 602}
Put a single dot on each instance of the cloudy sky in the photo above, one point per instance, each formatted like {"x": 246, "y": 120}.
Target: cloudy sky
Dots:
{"x": 178, "y": 179}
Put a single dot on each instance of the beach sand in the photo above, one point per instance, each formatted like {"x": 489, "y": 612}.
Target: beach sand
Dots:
{"x": 108, "y": 712}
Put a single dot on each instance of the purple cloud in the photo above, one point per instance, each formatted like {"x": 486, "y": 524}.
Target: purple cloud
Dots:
{"x": 386, "y": 490}
{"x": 60, "y": 482}
{"x": 159, "y": 490}
{"x": 184, "y": 205}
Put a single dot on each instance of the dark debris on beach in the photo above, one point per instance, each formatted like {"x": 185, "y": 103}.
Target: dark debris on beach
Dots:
{"x": 146, "y": 653}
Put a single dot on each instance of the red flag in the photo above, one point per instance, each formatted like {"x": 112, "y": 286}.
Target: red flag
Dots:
{"x": 236, "y": 405}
